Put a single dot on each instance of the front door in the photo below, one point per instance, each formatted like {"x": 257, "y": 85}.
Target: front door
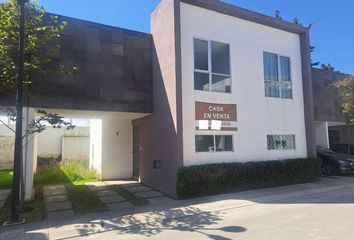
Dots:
{"x": 136, "y": 150}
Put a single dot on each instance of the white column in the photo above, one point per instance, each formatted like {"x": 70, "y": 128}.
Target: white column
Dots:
{"x": 29, "y": 154}
{"x": 96, "y": 144}
{"x": 321, "y": 131}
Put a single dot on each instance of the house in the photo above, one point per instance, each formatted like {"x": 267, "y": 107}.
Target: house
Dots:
{"x": 212, "y": 83}
{"x": 329, "y": 121}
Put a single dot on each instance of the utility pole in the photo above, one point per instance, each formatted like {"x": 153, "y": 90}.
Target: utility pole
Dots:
{"x": 16, "y": 185}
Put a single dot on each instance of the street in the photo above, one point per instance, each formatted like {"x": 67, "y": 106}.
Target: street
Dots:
{"x": 320, "y": 210}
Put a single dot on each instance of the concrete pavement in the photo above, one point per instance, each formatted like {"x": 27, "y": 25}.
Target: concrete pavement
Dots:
{"x": 320, "y": 210}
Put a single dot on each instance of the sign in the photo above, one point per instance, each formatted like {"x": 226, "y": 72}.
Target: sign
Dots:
{"x": 217, "y": 117}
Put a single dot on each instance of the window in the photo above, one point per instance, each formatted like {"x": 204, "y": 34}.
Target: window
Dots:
{"x": 284, "y": 142}
{"x": 212, "y": 66}
{"x": 213, "y": 143}
{"x": 334, "y": 136}
{"x": 277, "y": 76}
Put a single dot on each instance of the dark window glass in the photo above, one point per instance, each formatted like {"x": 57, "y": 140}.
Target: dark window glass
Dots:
{"x": 200, "y": 55}
{"x": 201, "y": 81}
{"x": 221, "y": 83}
{"x": 285, "y": 69}
{"x": 220, "y": 55}
{"x": 204, "y": 143}
{"x": 223, "y": 143}
{"x": 270, "y": 62}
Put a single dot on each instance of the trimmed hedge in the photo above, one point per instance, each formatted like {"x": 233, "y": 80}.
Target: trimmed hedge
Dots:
{"x": 201, "y": 180}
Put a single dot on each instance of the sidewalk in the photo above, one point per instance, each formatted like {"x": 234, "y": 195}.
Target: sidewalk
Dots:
{"x": 205, "y": 211}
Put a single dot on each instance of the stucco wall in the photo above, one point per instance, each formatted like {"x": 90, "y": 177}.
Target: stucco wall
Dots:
{"x": 159, "y": 132}
{"x": 257, "y": 114}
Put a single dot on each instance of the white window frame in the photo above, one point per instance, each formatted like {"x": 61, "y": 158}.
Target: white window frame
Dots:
{"x": 209, "y": 71}
{"x": 214, "y": 136}
{"x": 281, "y": 149}
{"x": 279, "y": 82}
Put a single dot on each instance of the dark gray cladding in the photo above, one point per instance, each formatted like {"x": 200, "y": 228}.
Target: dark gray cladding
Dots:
{"x": 327, "y": 102}
{"x": 114, "y": 71}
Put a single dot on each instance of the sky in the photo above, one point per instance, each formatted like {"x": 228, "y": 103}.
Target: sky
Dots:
{"x": 332, "y": 32}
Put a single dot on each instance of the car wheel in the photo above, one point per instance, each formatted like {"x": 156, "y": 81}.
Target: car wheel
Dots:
{"x": 329, "y": 169}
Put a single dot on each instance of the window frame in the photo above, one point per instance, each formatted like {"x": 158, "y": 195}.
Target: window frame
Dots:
{"x": 210, "y": 67}
{"x": 281, "y": 149}
{"x": 279, "y": 81}
{"x": 214, "y": 146}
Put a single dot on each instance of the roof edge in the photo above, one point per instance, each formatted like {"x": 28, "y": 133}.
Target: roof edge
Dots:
{"x": 245, "y": 14}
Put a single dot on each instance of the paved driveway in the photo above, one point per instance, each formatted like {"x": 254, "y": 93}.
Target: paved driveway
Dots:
{"x": 320, "y": 210}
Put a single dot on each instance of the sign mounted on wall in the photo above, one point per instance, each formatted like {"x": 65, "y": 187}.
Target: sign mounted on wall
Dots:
{"x": 216, "y": 117}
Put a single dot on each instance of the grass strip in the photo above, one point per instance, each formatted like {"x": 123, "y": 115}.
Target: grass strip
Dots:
{"x": 32, "y": 211}
{"x": 130, "y": 197}
{"x": 83, "y": 199}
{"x": 6, "y": 179}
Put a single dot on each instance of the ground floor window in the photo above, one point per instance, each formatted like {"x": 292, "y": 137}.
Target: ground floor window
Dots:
{"x": 284, "y": 142}
{"x": 213, "y": 143}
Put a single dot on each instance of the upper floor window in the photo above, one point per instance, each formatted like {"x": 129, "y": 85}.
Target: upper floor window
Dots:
{"x": 212, "y": 66}
{"x": 277, "y": 76}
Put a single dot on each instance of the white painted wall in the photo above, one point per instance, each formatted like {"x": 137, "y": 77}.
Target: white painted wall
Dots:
{"x": 96, "y": 144}
{"x": 75, "y": 148}
{"x": 321, "y": 133}
{"x": 50, "y": 140}
{"x": 257, "y": 114}
{"x": 116, "y": 149}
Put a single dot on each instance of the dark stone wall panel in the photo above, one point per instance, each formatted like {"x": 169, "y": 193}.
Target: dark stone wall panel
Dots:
{"x": 114, "y": 70}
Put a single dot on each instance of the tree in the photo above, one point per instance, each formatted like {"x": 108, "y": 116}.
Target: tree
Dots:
{"x": 345, "y": 89}
{"x": 28, "y": 46}
{"x": 327, "y": 67}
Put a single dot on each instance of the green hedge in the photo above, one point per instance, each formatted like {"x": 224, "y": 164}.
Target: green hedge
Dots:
{"x": 210, "y": 179}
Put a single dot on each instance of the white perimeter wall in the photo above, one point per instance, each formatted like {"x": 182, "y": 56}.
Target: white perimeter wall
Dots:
{"x": 257, "y": 114}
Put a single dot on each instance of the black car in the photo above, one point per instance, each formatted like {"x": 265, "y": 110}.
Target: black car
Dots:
{"x": 343, "y": 148}
{"x": 335, "y": 163}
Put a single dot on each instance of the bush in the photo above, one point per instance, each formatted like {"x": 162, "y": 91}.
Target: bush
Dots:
{"x": 210, "y": 179}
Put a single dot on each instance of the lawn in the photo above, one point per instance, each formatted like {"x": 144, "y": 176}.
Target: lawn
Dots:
{"x": 6, "y": 179}
{"x": 71, "y": 172}
{"x": 83, "y": 199}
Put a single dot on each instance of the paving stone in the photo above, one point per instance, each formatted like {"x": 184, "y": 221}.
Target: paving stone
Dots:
{"x": 119, "y": 206}
{"x": 16, "y": 234}
{"x": 140, "y": 188}
{"x": 60, "y": 214}
{"x": 112, "y": 199}
{"x": 58, "y": 206}
{"x": 98, "y": 188}
{"x": 105, "y": 193}
{"x": 5, "y": 192}
{"x": 149, "y": 194}
{"x": 130, "y": 185}
{"x": 160, "y": 200}
{"x": 53, "y": 188}
{"x": 55, "y": 192}
{"x": 96, "y": 184}
{"x": 56, "y": 198}
{"x": 3, "y": 197}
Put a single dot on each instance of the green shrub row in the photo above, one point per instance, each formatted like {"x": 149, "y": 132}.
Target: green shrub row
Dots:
{"x": 210, "y": 179}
